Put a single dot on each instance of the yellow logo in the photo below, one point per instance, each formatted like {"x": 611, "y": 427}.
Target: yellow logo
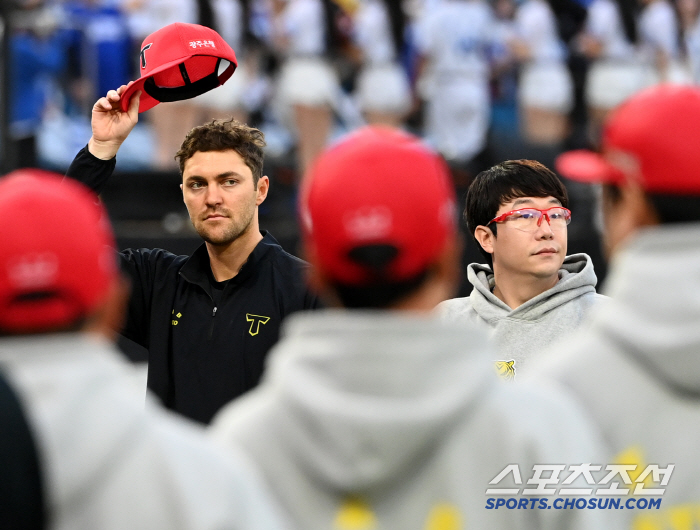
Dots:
{"x": 506, "y": 370}
{"x": 255, "y": 321}
{"x": 355, "y": 514}
{"x": 173, "y": 321}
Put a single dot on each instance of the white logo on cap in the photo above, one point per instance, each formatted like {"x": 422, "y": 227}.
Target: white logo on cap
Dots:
{"x": 372, "y": 222}
{"x": 202, "y": 44}
{"x": 33, "y": 271}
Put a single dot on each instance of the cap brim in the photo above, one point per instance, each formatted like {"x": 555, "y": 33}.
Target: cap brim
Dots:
{"x": 148, "y": 102}
{"x": 587, "y": 166}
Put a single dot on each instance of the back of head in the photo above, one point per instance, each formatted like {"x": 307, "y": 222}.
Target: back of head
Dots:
{"x": 57, "y": 258}
{"x": 651, "y": 140}
{"x": 377, "y": 212}
{"x": 504, "y": 182}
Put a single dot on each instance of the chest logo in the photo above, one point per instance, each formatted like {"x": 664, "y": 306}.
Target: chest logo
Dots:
{"x": 506, "y": 369}
{"x": 255, "y": 321}
{"x": 174, "y": 321}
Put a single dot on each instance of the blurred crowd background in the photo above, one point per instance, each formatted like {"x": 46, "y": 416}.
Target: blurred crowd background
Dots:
{"x": 481, "y": 80}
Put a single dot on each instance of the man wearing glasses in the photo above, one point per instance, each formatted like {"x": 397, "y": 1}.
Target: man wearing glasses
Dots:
{"x": 529, "y": 292}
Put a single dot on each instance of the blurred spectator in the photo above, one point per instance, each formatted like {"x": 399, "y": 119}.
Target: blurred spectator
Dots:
{"x": 305, "y": 35}
{"x": 100, "y": 48}
{"x": 38, "y": 58}
{"x": 609, "y": 40}
{"x": 383, "y": 89}
{"x": 689, "y": 17}
{"x": 170, "y": 122}
{"x": 248, "y": 90}
{"x": 545, "y": 91}
{"x": 455, "y": 39}
{"x": 659, "y": 42}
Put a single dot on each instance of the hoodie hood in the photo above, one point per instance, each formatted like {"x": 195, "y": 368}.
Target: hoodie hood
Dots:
{"x": 363, "y": 394}
{"x": 655, "y": 309}
{"x": 576, "y": 279}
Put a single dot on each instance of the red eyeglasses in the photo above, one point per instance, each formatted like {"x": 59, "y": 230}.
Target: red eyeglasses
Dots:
{"x": 529, "y": 219}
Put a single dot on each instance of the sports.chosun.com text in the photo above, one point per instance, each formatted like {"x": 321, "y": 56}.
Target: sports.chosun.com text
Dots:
{"x": 572, "y": 503}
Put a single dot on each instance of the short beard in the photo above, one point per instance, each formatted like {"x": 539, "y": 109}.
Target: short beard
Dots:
{"x": 233, "y": 232}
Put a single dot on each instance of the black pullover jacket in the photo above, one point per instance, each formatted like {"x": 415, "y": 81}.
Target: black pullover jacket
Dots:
{"x": 205, "y": 346}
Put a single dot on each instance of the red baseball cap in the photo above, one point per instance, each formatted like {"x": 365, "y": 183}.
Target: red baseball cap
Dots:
{"x": 652, "y": 137}
{"x": 379, "y": 186}
{"x": 180, "y": 61}
{"x": 58, "y": 259}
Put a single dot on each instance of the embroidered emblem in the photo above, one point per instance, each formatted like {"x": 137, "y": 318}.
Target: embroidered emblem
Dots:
{"x": 143, "y": 54}
{"x": 506, "y": 370}
{"x": 255, "y": 321}
{"x": 173, "y": 321}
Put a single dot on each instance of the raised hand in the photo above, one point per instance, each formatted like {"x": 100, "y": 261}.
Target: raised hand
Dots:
{"x": 110, "y": 124}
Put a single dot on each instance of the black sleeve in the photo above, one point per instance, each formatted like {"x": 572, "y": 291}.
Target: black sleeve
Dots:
{"x": 149, "y": 270}
{"x": 22, "y": 504}
{"x": 90, "y": 170}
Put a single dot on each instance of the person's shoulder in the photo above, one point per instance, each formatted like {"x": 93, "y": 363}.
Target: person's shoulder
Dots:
{"x": 455, "y": 309}
{"x": 154, "y": 256}
{"x": 279, "y": 257}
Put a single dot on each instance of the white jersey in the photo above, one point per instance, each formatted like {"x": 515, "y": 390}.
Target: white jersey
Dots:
{"x": 372, "y": 32}
{"x": 604, "y": 23}
{"x": 658, "y": 30}
{"x": 536, "y": 26}
{"x": 302, "y": 23}
{"x": 457, "y": 37}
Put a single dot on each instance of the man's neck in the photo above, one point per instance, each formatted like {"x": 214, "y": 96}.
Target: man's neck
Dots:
{"x": 515, "y": 290}
{"x": 227, "y": 260}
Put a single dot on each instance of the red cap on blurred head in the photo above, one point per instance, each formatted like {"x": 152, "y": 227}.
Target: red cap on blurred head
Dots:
{"x": 379, "y": 186}
{"x": 180, "y": 61}
{"x": 57, "y": 259}
{"x": 653, "y": 137}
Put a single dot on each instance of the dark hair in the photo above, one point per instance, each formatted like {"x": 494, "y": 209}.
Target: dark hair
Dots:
{"x": 381, "y": 291}
{"x": 224, "y": 135}
{"x": 676, "y": 208}
{"x": 504, "y": 182}
{"x": 669, "y": 208}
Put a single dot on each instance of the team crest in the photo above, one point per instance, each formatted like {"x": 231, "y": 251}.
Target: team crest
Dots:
{"x": 505, "y": 370}
{"x": 255, "y": 322}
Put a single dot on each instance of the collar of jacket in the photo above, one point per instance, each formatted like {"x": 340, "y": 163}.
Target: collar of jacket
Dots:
{"x": 194, "y": 270}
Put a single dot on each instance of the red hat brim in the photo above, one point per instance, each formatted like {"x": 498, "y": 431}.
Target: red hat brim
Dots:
{"x": 148, "y": 102}
{"x": 589, "y": 167}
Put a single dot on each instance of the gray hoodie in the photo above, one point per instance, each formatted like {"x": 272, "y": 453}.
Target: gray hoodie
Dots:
{"x": 522, "y": 333}
{"x": 637, "y": 369}
{"x": 398, "y": 421}
{"x": 111, "y": 462}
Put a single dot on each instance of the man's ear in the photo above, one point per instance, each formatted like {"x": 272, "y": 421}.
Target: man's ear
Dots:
{"x": 485, "y": 238}
{"x": 263, "y": 188}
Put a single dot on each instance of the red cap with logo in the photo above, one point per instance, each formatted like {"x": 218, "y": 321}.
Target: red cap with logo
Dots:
{"x": 58, "y": 259}
{"x": 378, "y": 187}
{"x": 653, "y": 137}
{"x": 180, "y": 61}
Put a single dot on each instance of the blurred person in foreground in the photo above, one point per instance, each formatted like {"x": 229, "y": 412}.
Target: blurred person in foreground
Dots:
{"x": 374, "y": 414}
{"x": 636, "y": 369}
{"x": 101, "y": 459}
{"x": 529, "y": 293}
